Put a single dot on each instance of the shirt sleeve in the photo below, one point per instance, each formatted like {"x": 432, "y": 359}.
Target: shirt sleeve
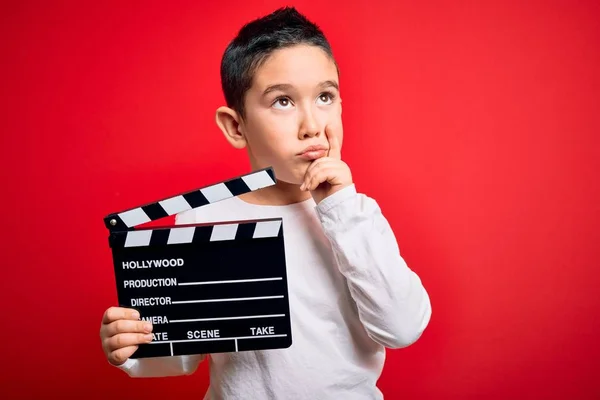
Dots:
{"x": 161, "y": 366}
{"x": 170, "y": 365}
{"x": 392, "y": 303}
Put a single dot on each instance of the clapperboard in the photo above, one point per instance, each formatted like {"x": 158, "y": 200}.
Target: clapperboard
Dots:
{"x": 207, "y": 288}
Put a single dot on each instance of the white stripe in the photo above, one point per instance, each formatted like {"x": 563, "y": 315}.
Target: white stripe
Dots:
{"x": 258, "y": 180}
{"x": 216, "y": 192}
{"x": 223, "y": 232}
{"x": 134, "y": 217}
{"x": 138, "y": 238}
{"x": 231, "y": 281}
{"x": 171, "y": 348}
{"x": 236, "y": 348}
{"x": 181, "y": 235}
{"x": 217, "y": 339}
{"x": 172, "y": 321}
{"x": 223, "y": 300}
{"x": 267, "y": 229}
{"x": 175, "y": 205}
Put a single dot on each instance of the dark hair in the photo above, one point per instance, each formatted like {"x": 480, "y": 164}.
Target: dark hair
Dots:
{"x": 255, "y": 41}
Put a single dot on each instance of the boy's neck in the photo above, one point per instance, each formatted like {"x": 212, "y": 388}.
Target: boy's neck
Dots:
{"x": 280, "y": 194}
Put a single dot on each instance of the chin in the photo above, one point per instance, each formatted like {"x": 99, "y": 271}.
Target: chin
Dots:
{"x": 296, "y": 182}
{"x": 289, "y": 172}
{"x": 289, "y": 177}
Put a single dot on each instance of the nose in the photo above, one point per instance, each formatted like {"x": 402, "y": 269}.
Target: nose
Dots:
{"x": 309, "y": 126}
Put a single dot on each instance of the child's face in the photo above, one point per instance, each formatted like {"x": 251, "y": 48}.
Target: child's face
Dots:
{"x": 294, "y": 96}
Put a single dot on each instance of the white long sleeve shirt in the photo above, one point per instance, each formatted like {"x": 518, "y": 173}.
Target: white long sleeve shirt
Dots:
{"x": 351, "y": 296}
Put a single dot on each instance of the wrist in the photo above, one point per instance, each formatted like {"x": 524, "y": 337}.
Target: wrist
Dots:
{"x": 341, "y": 194}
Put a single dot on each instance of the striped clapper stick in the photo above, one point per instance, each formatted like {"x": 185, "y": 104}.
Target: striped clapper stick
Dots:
{"x": 207, "y": 288}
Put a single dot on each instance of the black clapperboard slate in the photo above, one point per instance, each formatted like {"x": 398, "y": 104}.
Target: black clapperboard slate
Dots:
{"x": 207, "y": 288}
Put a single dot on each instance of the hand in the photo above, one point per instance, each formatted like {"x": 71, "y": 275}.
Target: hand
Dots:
{"x": 121, "y": 332}
{"x": 329, "y": 174}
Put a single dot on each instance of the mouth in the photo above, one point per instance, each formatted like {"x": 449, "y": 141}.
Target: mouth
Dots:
{"x": 313, "y": 152}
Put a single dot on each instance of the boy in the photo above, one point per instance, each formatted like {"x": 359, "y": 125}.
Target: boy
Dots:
{"x": 351, "y": 294}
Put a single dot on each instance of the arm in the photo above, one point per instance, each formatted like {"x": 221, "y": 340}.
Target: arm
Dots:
{"x": 393, "y": 305}
{"x": 164, "y": 366}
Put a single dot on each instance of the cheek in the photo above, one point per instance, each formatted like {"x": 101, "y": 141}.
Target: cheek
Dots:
{"x": 336, "y": 123}
{"x": 273, "y": 136}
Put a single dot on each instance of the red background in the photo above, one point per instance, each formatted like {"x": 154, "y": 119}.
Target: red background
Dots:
{"x": 475, "y": 126}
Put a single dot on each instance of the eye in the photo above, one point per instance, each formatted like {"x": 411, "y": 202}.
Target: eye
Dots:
{"x": 326, "y": 97}
{"x": 282, "y": 103}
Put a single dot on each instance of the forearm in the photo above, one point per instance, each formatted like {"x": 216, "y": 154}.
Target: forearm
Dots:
{"x": 392, "y": 303}
{"x": 161, "y": 366}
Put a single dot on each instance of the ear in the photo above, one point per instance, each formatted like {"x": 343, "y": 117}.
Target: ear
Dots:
{"x": 230, "y": 124}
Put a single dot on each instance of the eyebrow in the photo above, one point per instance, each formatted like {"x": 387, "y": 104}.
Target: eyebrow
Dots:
{"x": 286, "y": 86}
{"x": 327, "y": 84}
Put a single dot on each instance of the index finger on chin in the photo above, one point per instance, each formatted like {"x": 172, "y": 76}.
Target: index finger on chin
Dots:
{"x": 334, "y": 143}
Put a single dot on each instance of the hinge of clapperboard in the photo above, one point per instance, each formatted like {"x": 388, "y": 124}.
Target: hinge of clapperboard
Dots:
{"x": 130, "y": 219}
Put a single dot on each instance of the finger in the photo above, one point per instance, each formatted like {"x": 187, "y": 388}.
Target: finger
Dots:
{"x": 332, "y": 175}
{"x": 335, "y": 150}
{"x": 127, "y": 326}
{"x": 314, "y": 167}
{"x": 127, "y": 339}
{"x": 325, "y": 172}
{"x": 119, "y": 356}
{"x": 319, "y": 177}
{"x": 319, "y": 163}
{"x": 115, "y": 313}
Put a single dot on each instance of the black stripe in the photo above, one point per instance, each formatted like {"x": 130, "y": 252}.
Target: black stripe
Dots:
{"x": 152, "y": 350}
{"x": 202, "y": 234}
{"x": 237, "y": 186}
{"x": 159, "y": 237}
{"x": 245, "y": 231}
{"x": 154, "y": 211}
{"x": 195, "y": 199}
{"x": 271, "y": 173}
{"x": 119, "y": 224}
{"x": 117, "y": 239}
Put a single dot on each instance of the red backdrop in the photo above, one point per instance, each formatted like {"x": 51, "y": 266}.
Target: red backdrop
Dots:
{"x": 475, "y": 126}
